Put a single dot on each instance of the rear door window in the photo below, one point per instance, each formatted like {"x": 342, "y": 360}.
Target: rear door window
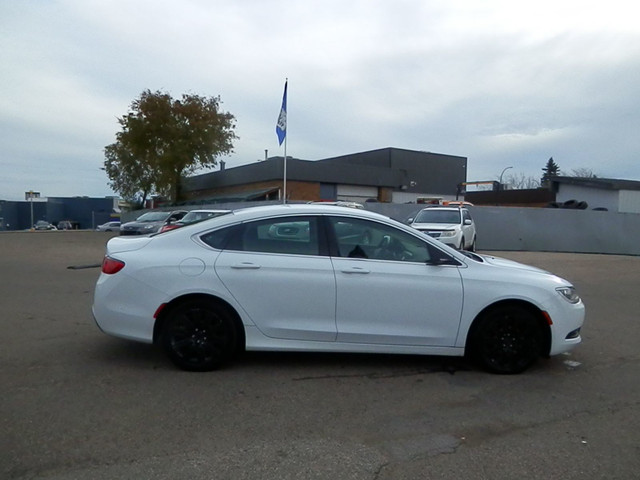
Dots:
{"x": 283, "y": 235}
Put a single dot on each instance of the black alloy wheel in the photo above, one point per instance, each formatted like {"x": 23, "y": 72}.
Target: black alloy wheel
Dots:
{"x": 198, "y": 335}
{"x": 507, "y": 340}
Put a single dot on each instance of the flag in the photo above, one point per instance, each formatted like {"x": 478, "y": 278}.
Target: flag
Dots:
{"x": 281, "y": 126}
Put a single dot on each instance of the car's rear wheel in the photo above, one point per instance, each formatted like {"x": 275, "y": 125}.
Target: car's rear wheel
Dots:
{"x": 507, "y": 339}
{"x": 199, "y": 335}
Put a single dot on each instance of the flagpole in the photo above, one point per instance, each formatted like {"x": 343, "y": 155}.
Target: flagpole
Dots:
{"x": 284, "y": 173}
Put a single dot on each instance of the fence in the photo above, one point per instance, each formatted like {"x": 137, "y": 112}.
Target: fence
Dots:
{"x": 527, "y": 229}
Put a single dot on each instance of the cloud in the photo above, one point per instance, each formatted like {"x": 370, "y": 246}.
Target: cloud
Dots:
{"x": 503, "y": 83}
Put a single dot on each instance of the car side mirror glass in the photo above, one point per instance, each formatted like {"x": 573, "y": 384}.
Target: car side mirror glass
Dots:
{"x": 438, "y": 257}
{"x": 442, "y": 260}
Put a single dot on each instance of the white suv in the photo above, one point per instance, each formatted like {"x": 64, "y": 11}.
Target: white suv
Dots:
{"x": 451, "y": 225}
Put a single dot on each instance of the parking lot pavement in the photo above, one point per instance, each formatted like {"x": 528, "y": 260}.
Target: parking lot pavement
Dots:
{"x": 77, "y": 404}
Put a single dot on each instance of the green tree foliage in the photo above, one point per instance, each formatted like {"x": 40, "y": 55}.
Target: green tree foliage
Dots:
{"x": 162, "y": 140}
{"x": 551, "y": 169}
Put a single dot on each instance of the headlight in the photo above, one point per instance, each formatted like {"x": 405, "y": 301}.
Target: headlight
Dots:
{"x": 448, "y": 233}
{"x": 149, "y": 227}
{"x": 569, "y": 294}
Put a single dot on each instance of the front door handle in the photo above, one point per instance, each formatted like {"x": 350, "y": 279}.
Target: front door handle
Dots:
{"x": 245, "y": 266}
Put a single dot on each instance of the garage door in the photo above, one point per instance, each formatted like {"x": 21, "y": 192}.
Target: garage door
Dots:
{"x": 356, "y": 193}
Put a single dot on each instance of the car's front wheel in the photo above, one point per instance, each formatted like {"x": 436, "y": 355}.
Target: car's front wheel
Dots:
{"x": 199, "y": 335}
{"x": 507, "y": 339}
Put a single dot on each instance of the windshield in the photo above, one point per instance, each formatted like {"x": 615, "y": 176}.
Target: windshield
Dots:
{"x": 438, "y": 216}
{"x": 153, "y": 217}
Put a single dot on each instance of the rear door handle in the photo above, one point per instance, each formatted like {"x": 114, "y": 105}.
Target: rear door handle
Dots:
{"x": 245, "y": 266}
{"x": 358, "y": 270}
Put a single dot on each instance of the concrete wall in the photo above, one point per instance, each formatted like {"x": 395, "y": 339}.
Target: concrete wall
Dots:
{"x": 595, "y": 197}
{"x": 629, "y": 201}
{"x": 544, "y": 229}
{"x": 527, "y": 229}
{"x": 557, "y": 230}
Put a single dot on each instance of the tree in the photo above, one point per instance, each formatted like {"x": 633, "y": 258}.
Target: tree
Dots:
{"x": 583, "y": 173}
{"x": 550, "y": 170}
{"x": 162, "y": 140}
{"x": 132, "y": 179}
{"x": 520, "y": 181}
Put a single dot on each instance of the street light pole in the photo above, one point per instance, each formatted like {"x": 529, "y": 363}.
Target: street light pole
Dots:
{"x": 500, "y": 181}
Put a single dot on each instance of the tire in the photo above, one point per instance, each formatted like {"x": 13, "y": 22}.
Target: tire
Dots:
{"x": 507, "y": 340}
{"x": 472, "y": 247}
{"x": 461, "y": 247}
{"x": 199, "y": 336}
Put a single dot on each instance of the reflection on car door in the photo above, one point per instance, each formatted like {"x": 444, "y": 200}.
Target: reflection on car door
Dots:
{"x": 275, "y": 271}
{"x": 395, "y": 298}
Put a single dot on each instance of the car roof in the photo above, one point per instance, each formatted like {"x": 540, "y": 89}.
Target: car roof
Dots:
{"x": 275, "y": 210}
{"x": 303, "y": 209}
{"x": 340, "y": 203}
{"x": 255, "y": 213}
{"x": 208, "y": 210}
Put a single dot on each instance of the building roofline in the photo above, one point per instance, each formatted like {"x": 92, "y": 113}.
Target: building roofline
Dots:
{"x": 397, "y": 169}
{"x": 595, "y": 182}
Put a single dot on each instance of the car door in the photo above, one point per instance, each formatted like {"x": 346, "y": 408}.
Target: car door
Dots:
{"x": 386, "y": 291}
{"x": 275, "y": 271}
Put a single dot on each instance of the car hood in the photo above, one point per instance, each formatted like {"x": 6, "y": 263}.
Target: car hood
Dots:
{"x": 435, "y": 226}
{"x": 137, "y": 224}
{"x": 505, "y": 263}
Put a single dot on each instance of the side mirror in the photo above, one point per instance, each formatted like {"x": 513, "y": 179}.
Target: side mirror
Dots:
{"x": 442, "y": 260}
{"x": 468, "y": 222}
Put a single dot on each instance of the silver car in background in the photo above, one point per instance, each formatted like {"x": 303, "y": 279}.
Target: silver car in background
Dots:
{"x": 451, "y": 225}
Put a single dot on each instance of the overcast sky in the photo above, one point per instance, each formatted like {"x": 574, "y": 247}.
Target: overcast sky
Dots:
{"x": 504, "y": 83}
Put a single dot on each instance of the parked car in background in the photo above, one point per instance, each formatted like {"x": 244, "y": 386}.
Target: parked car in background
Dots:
{"x": 68, "y": 225}
{"x": 194, "y": 216}
{"x": 297, "y": 278}
{"x": 44, "y": 225}
{"x": 451, "y": 225}
{"x": 113, "y": 226}
{"x": 151, "y": 222}
{"x": 457, "y": 203}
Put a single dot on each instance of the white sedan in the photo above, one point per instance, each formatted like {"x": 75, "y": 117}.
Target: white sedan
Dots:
{"x": 332, "y": 279}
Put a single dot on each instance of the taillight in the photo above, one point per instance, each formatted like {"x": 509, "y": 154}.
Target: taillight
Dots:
{"x": 111, "y": 265}
{"x": 166, "y": 228}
